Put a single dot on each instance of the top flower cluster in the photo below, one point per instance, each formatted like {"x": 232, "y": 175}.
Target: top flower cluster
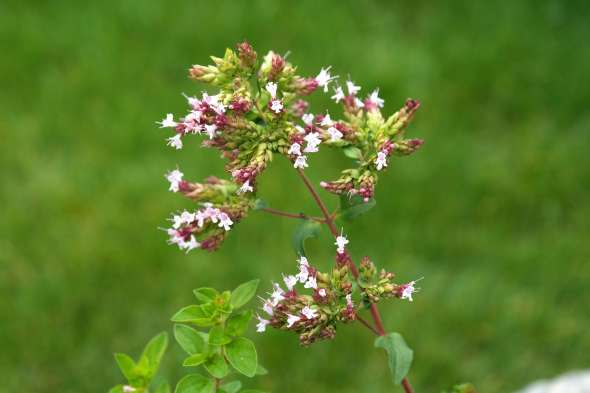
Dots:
{"x": 259, "y": 111}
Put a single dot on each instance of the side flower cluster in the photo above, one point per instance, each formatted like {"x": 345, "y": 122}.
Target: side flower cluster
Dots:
{"x": 375, "y": 287}
{"x": 313, "y": 311}
{"x": 222, "y": 205}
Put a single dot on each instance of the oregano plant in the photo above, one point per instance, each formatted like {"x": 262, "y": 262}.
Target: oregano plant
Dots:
{"x": 258, "y": 113}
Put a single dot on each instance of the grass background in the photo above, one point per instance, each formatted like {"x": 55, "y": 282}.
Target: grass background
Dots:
{"x": 494, "y": 211}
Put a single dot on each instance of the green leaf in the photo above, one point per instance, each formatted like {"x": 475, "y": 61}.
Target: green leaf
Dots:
{"x": 352, "y": 207}
{"x": 305, "y": 230}
{"x": 241, "y": 354}
{"x": 217, "y": 366}
{"x": 217, "y": 336}
{"x": 260, "y": 204}
{"x": 399, "y": 355}
{"x": 237, "y": 324}
{"x": 205, "y": 295}
{"x": 231, "y": 387}
{"x": 189, "y": 339}
{"x": 195, "y": 360}
{"x": 243, "y": 293}
{"x": 195, "y": 383}
{"x": 261, "y": 370}
{"x": 153, "y": 352}
{"x": 353, "y": 152}
{"x": 193, "y": 314}
{"x": 127, "y": 365}
{"x": 252, "y": 391}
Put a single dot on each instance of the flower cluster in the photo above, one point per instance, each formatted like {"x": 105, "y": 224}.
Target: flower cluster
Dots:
{"x": 375, "y": 287}
{"x": 222, "y": 204}
{"x": 313, "y": 315}
{"x": 370, "y": 139}
{"x": 259, "y": 111}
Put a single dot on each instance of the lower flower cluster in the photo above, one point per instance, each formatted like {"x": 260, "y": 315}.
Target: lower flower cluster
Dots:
{"x": 313, "y": 315}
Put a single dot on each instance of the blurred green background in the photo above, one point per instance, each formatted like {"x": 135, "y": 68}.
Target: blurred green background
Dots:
{"x": 494, "y": 211}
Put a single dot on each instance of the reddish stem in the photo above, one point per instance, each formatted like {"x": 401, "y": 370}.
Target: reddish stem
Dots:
{"x": 327, "y": 217}
{"x": 291, "y": 215}
{"x": 329, "y": 221}
{"x": 367, "y": 325}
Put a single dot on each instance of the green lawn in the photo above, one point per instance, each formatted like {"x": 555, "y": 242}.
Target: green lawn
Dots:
{"x": 494, "y": 211}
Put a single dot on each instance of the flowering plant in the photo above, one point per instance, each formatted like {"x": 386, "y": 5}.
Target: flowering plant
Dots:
{"x": 259, "y": 112}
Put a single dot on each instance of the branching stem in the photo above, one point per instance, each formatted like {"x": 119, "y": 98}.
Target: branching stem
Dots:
{"x": 301, "y": 216}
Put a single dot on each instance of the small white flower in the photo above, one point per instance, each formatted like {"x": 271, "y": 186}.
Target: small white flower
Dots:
{"x": 313, "y": 140}
{"x": 303, "y": 261}
{"x": 300, "y": 129}
{"x": 303, "y": 270}
{"x": 327, "y": 121}
{"x": 267, "y": 306}
{"x": 301, "y": 162}
{"x": 358, "y": 103}
{"x": 225, "y": 221}
{"x": 381, "y": 160}
{"x": 175, "y": 141}
{"x": 193, "y": 116}
{"x": 292, "y": 319}
{"x": 309, "y": 313}
{"x": 276, "y": 106}
{"x": 174, "y": 237}
{"x": 211, "y": 100}
{"x": 128, "y": 389}
{"x": 322, "y": 292}
{"x": 335, "y": 134}
{"x": 374, "y": 98}
{"x": 311, "y": 282}
{"x": 352, "y": 88}
{"x": 176, "y": 222}
{"x": 168, "y": 121}
{"x": 261, "y": 325}
{"x": 174, "y": 177}
{"x": 277, "y": 294}
{"x": 408, "y": 291}
{"x": 339, "y": 94}
{"x": 212, "y": 213}
{"x": 295, "y": 149}
{"x": 192, "y": 101}
{"x": 200, "y": 217}
{"x": 341, "y": 242}
{"x": 324, "y": 78}
{"x": 190, "y": 245}
{"x": 290, "y": 282}
{"x": 184, "y": 218}
{"x": 246, "y": 187}
{"x": 214, "y": 103}
{"x": 271, "y": 87}
{"x": 211, "y": 129}
{"x": 308, "y": 118}
{"x": 349, "y": 302}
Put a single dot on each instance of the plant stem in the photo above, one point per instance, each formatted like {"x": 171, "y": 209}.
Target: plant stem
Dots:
{"x": 329, "y": 221}
{"x": 327, "y": 216}
{"x": 291, "y": 215}
{"x": 367, "y": 325}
